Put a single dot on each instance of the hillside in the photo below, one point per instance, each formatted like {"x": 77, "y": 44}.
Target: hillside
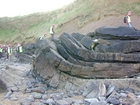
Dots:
{"x": 81, "y": 16}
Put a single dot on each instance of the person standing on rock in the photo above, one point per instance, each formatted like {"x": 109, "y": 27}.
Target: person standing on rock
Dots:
{"x": 19, "y": 50}
{"x": 129, "y": 19}
{"x": 1, "y": 51}
{"x": 52, "y": 31}
{"x": 9, "y": 51}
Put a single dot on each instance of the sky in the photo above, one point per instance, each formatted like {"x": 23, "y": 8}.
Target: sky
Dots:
{"x": 11, "y": 8}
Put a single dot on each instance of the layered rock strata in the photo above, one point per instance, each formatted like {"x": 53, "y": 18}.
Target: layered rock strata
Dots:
{"x": 114, "y": 54}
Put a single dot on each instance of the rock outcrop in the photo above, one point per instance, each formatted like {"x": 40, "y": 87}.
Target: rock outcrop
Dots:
{"x": 108, "y": 52}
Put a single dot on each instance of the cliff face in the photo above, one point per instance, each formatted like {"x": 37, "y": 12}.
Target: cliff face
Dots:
{"x": 109, "y": 52}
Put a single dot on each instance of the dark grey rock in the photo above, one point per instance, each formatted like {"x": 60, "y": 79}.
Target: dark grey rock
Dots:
{"x": 87, "y": 42}
{"x": 111, "y": 32}
{"x": 113, "y": 101}
{"x": 110, "y": 89}
{"x": 78, "y": 36}
{"x": 114, "y": 94}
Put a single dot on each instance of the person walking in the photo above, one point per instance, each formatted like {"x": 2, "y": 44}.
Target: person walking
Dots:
{"x": 1, "y": 49}
{"x": 129, "y": 19}
{"x": 9, "y": 51}
{"x": 19, "y": 50}
{"x": 52, "y": 31}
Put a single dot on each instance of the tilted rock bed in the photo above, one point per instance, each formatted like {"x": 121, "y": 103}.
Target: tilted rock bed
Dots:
{"x": 116, "y": 54}
{"x": 74, "y": 62}
{"x": 72, "y": 68}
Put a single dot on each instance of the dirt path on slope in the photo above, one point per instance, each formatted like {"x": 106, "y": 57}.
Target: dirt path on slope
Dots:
{"x": 114, "y": 21}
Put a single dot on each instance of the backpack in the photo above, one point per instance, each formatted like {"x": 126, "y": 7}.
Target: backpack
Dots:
{"x": 125, "y": 19}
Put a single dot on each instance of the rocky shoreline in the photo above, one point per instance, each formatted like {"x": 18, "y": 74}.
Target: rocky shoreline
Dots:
{"x": 101, "y": 68}
{"x": 27, "y": 90}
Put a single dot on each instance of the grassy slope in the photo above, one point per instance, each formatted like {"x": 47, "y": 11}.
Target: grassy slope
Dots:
{"x": 27, "y": 28}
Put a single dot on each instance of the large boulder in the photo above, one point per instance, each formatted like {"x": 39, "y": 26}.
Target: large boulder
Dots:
{"x": 116, "y": 33}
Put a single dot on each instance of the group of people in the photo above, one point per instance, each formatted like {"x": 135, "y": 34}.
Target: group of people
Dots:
{"x": 6, "y": 51}
{"x": 52, "y": 32}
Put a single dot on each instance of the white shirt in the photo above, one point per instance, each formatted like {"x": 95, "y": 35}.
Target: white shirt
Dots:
{"x": 128, "y": 19}
{"x": 51, "y": 30}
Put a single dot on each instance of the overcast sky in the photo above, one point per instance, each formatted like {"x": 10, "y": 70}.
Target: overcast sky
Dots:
{"x": 12, "y": 8}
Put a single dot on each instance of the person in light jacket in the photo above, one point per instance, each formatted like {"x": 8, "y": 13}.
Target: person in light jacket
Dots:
{"x": 129, "y": 19}
{"x": 52, "y": 31}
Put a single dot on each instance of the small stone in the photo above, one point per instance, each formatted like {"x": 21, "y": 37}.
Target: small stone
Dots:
{"x": 138, "y": 96}
{"x": 91, "y": 100}
{"x": 39, "y": 90}
{"x": 99, "y": 103}
{"x": 110, "y": 89}
{"x": 131, "y": 95}
{"x": 14, "y": 89}
{"x": 8, "y": 94}
{"x": 37, "y": 95}
{"x": 123, "y": 95}
{"x": 114, "y": 94}
{"x": 62, "y": 102}
{"x": 31, "y": 98}
{"x": 101, "y": 98}
{"x": 13, "y": 98}
{"x": 45, "y": 97}
{"x": 58, "y": 97}
{"x": 50, "y": 101}
{"x": 37, "y": 103}
{"x": 25, "y": 102}
{"x": 113, "y": 101}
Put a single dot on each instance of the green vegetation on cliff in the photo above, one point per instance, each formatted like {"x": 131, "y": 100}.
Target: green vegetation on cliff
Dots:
{"x": 27, "y": 28}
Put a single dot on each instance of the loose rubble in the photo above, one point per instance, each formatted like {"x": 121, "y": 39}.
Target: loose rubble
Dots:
{"x": 32, "y": 91}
